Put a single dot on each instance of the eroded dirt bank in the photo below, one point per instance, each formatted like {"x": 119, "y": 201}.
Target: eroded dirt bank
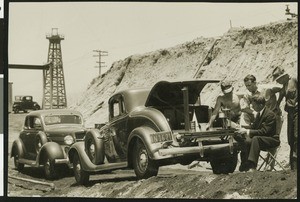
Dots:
{"x": 170, "y": 183}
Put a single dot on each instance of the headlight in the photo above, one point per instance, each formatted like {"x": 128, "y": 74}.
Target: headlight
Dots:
{"x": 68, "y": 140}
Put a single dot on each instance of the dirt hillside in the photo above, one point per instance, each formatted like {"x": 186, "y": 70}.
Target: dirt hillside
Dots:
{"x": 238, "y": 52}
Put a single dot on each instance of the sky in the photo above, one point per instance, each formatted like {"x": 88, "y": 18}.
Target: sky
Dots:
{"x": 121, "y": 29}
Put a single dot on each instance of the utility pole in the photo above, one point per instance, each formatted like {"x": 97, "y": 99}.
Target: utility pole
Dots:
{"x": 287, "y": 12}
{"x": 99, "y": 55}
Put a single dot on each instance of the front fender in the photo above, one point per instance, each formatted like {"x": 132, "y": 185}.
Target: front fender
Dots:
{"x": 51, "y": 150}
{"x": 17, "y": 144}
{"x": 79, "y": 148}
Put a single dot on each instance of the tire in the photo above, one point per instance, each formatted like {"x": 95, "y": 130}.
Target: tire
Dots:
{"x": 94, "y": 148}
{"x": 16, "y": 111}
{"x": 40, "y": 140}
{"x": 82, "y": 177}
{"x": 224, "y": 165}
{"x": 18, "y": 166}
{"x": 50, "y": 169}
{"x": 36, "y": 107}
{"x": 143, "y": 166}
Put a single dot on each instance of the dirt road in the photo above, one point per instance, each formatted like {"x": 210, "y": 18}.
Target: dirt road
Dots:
{"x": 172, "y": 182}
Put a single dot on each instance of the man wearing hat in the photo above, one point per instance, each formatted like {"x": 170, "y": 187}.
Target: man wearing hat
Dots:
{"x": 227, "y": 101}
{"x": 289, "y": 91}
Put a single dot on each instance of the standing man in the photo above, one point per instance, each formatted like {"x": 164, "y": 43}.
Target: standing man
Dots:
{"x": 261, "y": 136}
{"x": 227, "y": 101}
{"x": 289, "y": 91}
{"x": 271, "y": 102}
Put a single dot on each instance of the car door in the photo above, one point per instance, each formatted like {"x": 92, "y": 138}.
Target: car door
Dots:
{"x": 31, "y": 127}
{"x": 118, "y": 123}
{"x": 27, "y": 102}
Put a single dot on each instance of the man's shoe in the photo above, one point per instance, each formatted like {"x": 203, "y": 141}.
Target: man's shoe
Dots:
{"x": 251, "y": 170}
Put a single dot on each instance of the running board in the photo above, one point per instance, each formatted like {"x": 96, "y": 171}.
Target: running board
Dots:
{"x": 31, "y": 163}
{"x": 107, "y": 166}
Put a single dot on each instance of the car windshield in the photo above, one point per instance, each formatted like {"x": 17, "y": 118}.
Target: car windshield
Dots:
{"x": 62, "y": 119}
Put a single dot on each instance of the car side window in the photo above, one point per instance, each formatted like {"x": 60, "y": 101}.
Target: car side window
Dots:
{"x": 29, "y": 122}
{"x": 117, "y": 107}
{"x": 37, "y": 123}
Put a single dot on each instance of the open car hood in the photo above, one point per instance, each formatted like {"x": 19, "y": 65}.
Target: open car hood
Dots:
{"x": 166, "y": 93}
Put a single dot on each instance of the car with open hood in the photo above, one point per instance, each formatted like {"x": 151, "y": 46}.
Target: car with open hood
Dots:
{"x": 149, "y": 128}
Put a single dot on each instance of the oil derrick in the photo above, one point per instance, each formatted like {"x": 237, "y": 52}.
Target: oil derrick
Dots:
{"x": 54, "y": 95}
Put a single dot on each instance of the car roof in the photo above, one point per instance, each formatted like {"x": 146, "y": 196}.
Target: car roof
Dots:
{"x": 133, "y": 97}
{"x": 54, "y": 111}
{"x": 166, "y": 93}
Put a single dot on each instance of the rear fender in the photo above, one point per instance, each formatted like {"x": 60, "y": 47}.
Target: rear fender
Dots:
{"x": 17, "y": 145}
{"x": 141, "y": 134}
{"x": 52, "y": 150}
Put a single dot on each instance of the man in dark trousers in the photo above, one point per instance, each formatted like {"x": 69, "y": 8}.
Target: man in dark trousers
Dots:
{"x": 261, "y": 135}
{"x": 289, "y": 91}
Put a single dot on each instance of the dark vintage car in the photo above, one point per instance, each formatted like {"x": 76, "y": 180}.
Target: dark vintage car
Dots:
{"x": 24, "y": 103}
{"x": 149, "y": 128}
{"x": 46, "y": 138}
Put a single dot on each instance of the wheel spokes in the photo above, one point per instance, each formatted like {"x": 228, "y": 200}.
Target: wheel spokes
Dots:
{"x": 143, "y": 160}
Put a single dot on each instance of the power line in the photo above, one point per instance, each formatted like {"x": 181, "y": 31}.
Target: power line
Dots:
{"x": 99, "y": 55}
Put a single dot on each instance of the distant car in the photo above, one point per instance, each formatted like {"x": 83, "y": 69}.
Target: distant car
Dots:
{"x": 24, "y": 103}
{"x": 149, "y": 128}
{"x": 46, "y": 138}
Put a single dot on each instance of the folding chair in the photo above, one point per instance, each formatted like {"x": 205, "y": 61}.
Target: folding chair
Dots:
{"x": 270, "y": 160}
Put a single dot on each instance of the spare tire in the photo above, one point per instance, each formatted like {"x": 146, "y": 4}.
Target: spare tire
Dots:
{"x": 94, "y": 147}
{"x": 40, "y": 140}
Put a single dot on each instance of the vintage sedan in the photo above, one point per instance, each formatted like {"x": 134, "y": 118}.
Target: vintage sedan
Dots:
{"x": 46, "y": 138}
{"x": 24, "y": 103}
{"x": 149, "y": 128}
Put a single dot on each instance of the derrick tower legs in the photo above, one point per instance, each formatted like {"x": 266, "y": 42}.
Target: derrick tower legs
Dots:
{"x": 54, "y": 95}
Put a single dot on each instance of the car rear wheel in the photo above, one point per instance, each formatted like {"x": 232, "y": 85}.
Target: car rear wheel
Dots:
{"x": 18, "y": 166}
{"x": 144, "y": 167}
{"x": 50, "y": 169}
{"x": 224, "y": 165}
{"x": 82, "y": 177}
{"x": 16, "y": 110}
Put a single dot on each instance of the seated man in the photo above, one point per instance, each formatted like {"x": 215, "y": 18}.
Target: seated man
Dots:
{"x": 261, "y": 136}
{"x": 228, "y": 102}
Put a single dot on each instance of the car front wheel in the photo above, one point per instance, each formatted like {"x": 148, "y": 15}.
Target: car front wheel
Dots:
{"x": 50, "y": 169}
{"x": 81, "y": 176}
{"x": 144, "y": 167}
